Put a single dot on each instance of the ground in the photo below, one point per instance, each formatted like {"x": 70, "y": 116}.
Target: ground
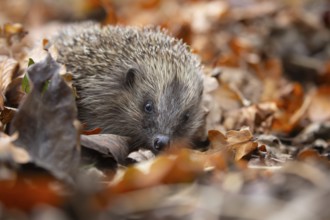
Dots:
{"x": 266, "y": 93}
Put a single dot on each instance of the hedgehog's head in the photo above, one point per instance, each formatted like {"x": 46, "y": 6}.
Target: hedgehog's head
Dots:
{"x": 161, "y": 100}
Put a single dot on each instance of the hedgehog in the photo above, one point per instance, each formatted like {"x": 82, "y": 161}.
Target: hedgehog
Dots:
{"x": 134, "y": 82}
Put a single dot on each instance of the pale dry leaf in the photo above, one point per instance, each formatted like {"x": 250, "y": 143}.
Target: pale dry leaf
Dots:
{"x": 257, "y": 117}
{"x": 319, "y": 108}
{"x": 214, "y": 111}
{"x": 8, "y": 67}
{"x": 239, "y": 136}
{"x": 220, "y": 100}
{"x": 243, "y": 82}
{"x": 7, "y": 148}
{"x": 204, "y": 14}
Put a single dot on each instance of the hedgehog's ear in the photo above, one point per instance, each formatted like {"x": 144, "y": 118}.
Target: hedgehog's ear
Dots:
{"x": 130, "y": 77}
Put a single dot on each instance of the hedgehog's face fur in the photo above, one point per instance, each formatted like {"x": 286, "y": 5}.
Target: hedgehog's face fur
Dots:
{"x": 139, "y": 83}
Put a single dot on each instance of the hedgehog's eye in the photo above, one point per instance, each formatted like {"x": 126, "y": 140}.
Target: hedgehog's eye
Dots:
{"x": 148, "y": 107}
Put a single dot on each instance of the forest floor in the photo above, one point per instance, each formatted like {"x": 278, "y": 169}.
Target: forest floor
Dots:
{"x": 266, "y": 91}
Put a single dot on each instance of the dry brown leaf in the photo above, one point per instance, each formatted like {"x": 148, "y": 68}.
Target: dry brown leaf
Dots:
{"x": 8, "y": 68}
{"x": 25, "y": 194}
{"x": 12, "y": 29}
{"x": 271, "y": 73}
{"x": 325, "y": 77}
{"x": 179, "y": 167}
{"x": 213, "y": 109}
{"x": 6, "y": 115}
{"x": 149, "y": 4}
{"x": 203, "y": 14}
{"x": 217, "y": 160}
{"x": 257, "y": 117}
{"x": 319, "y": 109}
{"x": 108, "y": 145}
{"x": 112, "y": 17}
{"x": 228, "y": 97}
{"x": 92, "y": 131}
{"x": 185, "y": 168}
{"x": 226, "y": 149}
{"x": 13, "y": 32}
{"x": 217, "y": 140}
{"x": 241, "y": 142}
{"x": 240, "y": 46}
{"x": 291, "y": 106}
{"x": 308, "y": 154}
{"x": 8, "y": 149}
{"x": 254, "y": 9}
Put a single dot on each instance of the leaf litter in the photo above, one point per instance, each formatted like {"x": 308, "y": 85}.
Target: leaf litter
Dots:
{"x": 266, "y": 94}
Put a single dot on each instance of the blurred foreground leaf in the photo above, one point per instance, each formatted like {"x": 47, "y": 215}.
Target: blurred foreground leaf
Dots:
{"x": 45, "y": 121}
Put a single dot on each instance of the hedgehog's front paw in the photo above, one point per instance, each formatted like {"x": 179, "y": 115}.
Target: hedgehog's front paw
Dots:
{"x": 139, "y": 156}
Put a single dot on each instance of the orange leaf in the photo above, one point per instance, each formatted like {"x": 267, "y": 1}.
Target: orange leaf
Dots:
{"x": 217, "y": 139}
{"x": 93, "y": 131}
{"x": 308, "y": 154}
{"x": 241, "y": 142}
{"x": 319, "y": 109}
{"x": 11, "y": 29}
{"x": 26, "y": 194}
{"x": 177, "y": 167}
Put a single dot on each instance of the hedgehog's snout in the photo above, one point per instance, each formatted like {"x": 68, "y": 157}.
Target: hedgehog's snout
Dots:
{"x": 161, "y": 142}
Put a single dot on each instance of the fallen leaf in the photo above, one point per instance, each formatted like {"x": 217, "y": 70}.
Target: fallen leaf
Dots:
{"x": 92, "y": 131}
{"x": 257, "y": 117}
{"x": 25, "y": 194}
{"x": 229, "y": 97}
{"x": 254, "y": 9}
{"x": 179, "y": 167}
{"x": 13, "y": 32}
{"x": 218, "y": 159}
{"x": 149, "y": 4}
{"x": 11, "y": 29}
{"x": 217, "y": 140}
{"x": 45, "y": 121}
{"x": 10, "y": 150}
{"x": 308, "y": 154}
{"x": 241, "y": 142}
{"x": 8, "y": 68}
{"x": 291, "y": 103}
{"x": 6, "y": 115}
{"x": 107, "y": 144}
{"x": 319, "y": 108}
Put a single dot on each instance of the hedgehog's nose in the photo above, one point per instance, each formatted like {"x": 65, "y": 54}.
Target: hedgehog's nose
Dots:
{"x": 161, "y": 141}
